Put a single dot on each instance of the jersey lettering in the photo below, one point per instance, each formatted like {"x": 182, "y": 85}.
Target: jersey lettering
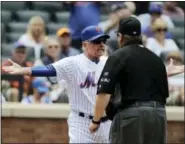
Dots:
{"x": 89, "y": 81}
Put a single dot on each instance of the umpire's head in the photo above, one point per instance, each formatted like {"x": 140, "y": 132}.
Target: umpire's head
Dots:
{"x": 129, "y": 30}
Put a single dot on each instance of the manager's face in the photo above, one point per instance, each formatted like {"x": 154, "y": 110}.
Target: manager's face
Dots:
{"x": 95, "y": 48}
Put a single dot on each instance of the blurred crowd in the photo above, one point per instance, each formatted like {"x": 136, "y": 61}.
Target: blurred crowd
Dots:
{"x": 44, "y": 32}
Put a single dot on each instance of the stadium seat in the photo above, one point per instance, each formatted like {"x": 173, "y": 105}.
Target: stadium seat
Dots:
{"x": 24, "y": 16}
{"x": 52, "y": 35}
{"x": 53, "y": 27}
{"x": 104, "y": 17}
{"x": 3, "y": 58}
{"x": 6, "y": 16}
{"x": 13, "y": 37}
{"x": 178, "y": 22}
{"x": 7, "y": 50}
{"x": 17, "y": 27}
{"x": 3, "y": 31}
{"x": 62, "y": 17}
{"x": 13, "y": 6}
{"x": 177, "y": 32}
{"x": 3, "y": 28}
{"x": 181, "y": 43}
{"x": 47, "y": 6}
{"x": 182, "y": 53}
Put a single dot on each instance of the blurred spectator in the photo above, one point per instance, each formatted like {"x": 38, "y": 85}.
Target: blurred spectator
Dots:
{"x": 19, "y": 55}
{"x": 176, "y": 91}
{"x": 118, "y": 11}
{"x": 148, "y": 32}
{"x": 176, "y": 96}
{"x": 40, "y": 93}
{"x": 64, "y": 37}
{"x": 176, "y": 56}
{"x": 171, "y": 9}
{"x": 58, "y": 93}
{"x": 155, "y": 11}
{"x": 83, "y": 14}
{"x": 52, "y": 51}
{"x": 3, "y": 100}
{"x": 159, "y": 43}
{"x": 176, "y": 83}
{"x": 131, "y": 6}
{"x": 5, "y": 85}
{"x": 35, "y": 36}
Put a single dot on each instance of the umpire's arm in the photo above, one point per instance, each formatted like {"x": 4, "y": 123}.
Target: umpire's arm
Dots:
{"x": 106, "y": 85}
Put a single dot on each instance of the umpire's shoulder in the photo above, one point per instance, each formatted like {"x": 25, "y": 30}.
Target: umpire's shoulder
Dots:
{"x": 121, "y": 52}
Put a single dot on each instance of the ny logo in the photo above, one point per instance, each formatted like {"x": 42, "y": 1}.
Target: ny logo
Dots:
{"x": 89, "y": 81}
{"x": 98, "y": 29}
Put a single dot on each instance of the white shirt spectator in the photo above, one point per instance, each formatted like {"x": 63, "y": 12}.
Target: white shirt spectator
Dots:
{"x": 24, "y": 39}
{"x": 157, "y": 48}
{"x": 145, "y": 20}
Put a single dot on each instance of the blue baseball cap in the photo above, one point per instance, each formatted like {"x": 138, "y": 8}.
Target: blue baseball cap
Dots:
{"x": 92, "y": 33}
{"x": 155, "y": 8}
{"x": 40, "y": 85}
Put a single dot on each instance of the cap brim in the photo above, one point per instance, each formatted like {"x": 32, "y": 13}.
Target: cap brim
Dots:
{"x": 99, "y": 36}
{"x": 42, "y": 89}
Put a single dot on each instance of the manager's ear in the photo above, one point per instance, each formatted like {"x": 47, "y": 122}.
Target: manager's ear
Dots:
{"x": 84, "y": 44}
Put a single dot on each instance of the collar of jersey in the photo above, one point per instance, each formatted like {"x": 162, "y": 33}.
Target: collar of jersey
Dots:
{"x": 96, "y": 61}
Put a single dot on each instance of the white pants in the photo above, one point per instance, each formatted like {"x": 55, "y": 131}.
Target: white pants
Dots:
{"x": 79, "y": 130}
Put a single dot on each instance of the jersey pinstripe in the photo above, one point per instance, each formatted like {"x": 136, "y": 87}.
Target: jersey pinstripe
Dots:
{"x": 81, "y": 76}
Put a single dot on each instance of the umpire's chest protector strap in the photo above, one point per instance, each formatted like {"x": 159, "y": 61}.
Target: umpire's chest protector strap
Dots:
{"x": 43, "y": 71}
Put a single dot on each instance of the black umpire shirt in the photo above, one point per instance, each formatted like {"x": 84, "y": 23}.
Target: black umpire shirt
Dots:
{"x": 139, "y": 73}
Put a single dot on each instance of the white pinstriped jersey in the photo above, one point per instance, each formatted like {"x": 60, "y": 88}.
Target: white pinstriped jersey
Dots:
{"x": 81, "y": 75}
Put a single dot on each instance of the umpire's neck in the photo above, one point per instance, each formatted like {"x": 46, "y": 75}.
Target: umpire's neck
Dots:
{"x": 128, "y": 40}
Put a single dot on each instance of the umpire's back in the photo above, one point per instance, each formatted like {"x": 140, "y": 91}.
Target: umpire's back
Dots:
{"x": 143, "y": 76}
{"x": 143, "y": 89}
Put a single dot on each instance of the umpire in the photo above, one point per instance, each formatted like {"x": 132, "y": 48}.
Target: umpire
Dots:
{"x": 139, "y": 116}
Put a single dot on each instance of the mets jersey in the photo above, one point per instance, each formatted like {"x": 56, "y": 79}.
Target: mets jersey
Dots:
{"x": 81, "y": 75}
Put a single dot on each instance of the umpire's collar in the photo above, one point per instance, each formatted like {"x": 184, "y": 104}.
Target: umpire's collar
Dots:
{"x": 139, "y": 42}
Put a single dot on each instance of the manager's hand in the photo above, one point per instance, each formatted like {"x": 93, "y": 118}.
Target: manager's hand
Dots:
{"x": 93, "y": 127}
{"x": 16, "y": 69}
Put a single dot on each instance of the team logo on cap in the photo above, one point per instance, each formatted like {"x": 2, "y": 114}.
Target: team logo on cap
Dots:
{"x": 98, "y": 29}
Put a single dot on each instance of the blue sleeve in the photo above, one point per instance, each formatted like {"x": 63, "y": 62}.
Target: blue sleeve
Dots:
{"x": 44, "y": 71}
